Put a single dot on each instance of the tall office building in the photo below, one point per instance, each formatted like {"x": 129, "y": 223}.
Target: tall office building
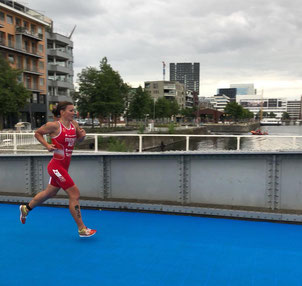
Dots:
{"x": 187, "y": 74}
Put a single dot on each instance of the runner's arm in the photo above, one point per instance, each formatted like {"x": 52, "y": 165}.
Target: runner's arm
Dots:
{"x": 81, "y": 133}
{"x": 48, "y": 128}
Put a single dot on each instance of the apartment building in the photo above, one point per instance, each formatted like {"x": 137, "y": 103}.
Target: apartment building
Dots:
{"x": 22, "y": 43}
{"x": 294, "y": 109}
{"x": 60, "y": 69}
{"x": 168, "y": 89}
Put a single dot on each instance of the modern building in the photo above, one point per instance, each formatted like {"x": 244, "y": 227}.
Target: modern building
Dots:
{"x": 220, "y": 102}
{"x": 60, "y": 69}
{"x": 256, "y": 103}
{"x": 229, "y": 92}
{"x": 294, "y": 109}
{"x": 187, "y": 74}
{"x": 22, "y": 43}
{"x": 206, "y": 102}
{"x": 167, "y": 89}
{"x": 244, "y": 89}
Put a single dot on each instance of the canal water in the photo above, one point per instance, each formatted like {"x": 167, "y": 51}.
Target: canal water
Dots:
{"x": 253, "y": 143}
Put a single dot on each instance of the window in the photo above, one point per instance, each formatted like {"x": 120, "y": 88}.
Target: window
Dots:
{"x": 35, "y": 98}
{"x": 9, "y": 19}
{"x": 32, "y": 28}
{"x": 41, "y": 82}
{"x": 26, "y": 46}
{"x": 19, "y": 62}
{"x": 2, "y": 16}
{"x": 41, "y": 65}
{"x": 18, "y": 22}
{"x": 2, "y": 38}
{"x": 40, "y": 48}
{"x": 40, "y": 32}
{"x": 10, "y": 40}
{"x": 42, "y": 99}
{"x": 25, "y": 24}
{"x": 11, "y": 58}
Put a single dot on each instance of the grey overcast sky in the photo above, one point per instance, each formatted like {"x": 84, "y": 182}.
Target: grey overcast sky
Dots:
{"x": 235, "y": 41}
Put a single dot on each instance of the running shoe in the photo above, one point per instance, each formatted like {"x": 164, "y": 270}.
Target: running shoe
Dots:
{"x": 86, "y": 232}
{"x": 23, "y": 213}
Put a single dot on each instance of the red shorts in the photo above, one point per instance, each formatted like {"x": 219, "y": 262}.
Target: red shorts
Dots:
{"x": 59, "y": 176}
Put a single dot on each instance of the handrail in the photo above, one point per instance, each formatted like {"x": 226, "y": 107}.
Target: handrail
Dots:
{"x": 14, "y": 141}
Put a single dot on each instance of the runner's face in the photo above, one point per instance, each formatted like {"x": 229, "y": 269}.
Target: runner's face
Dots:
{"x": 68, "y": 113}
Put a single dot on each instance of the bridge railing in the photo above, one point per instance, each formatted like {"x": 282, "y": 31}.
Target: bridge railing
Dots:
{"x": 27, "y": 141}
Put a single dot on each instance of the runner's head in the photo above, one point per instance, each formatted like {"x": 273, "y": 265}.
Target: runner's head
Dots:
{"x": 64, "y": 109}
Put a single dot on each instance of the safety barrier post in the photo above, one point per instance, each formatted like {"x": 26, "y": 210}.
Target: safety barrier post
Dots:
{"x": 140, "y": 147}
{"x": 15, "y": 141}
{"x": 238, "y": 143}
{"x": 187, "y": 143}
{"x": 96, "y": 145}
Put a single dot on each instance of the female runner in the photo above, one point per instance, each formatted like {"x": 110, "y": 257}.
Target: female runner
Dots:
{"x": 64, "y": 133}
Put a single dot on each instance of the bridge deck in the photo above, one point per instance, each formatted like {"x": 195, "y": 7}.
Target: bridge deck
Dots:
{"x": 146, "y": 249}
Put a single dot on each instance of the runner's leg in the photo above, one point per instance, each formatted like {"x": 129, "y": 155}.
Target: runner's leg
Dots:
{"x": 41, "y": 197}
{"x": 74, "y": 205}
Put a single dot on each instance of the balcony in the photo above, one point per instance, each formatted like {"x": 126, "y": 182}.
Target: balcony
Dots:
{"x": 58, "y": 83}
{"x": 31, "y": 70}
{"x": 23, "y": 31}
{"x": 32, "y": 87}
{"x": 11, "y": 46}
{"x": 59, "y": 53}
{"x": 59, "y": 69}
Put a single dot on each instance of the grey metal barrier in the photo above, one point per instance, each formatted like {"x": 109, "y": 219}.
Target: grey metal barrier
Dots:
{"x": 258, "y": 185}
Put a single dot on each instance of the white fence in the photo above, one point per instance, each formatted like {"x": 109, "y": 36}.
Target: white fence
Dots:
{"x": 27, "y": 141}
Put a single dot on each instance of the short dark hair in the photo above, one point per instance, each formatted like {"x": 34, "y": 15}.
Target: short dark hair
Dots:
{"x": 61, "y": 106}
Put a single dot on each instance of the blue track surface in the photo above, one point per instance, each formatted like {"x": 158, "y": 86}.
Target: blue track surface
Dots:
{"x": 146, "y": 249}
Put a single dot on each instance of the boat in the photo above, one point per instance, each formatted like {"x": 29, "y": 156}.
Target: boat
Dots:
{"x": 270, "y": 121}
{"x": 258, "y": 132}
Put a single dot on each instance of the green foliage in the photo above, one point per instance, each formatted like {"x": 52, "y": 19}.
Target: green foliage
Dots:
{"x": 141, "y": 128}
{"x": 13, "y": 94}
{"x": 165, "y": 108}
{"x": 116, "y": 145}
{"x": 141, "y": 104}
{"x": 171, "y": 128}
{"x": 272, "y": 115}
{"x": 236, "y": 111}
{"x": 285, "y": 116}
{"x": 102, "y": 91}
{"x": 189, "y": 112}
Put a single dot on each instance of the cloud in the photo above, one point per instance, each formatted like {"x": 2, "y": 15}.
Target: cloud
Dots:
{"x": 234, "y": 40}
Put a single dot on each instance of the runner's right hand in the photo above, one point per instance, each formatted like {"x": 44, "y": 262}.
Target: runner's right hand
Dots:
{"x": 51, "y": 148}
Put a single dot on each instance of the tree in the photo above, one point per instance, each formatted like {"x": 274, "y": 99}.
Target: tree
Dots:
{"x": 102, "y": 92}
{"x": 285, "y": 116}
{"x": 272, "y": 115}
{"x": 141, "y": 104}
{"x": 13, "y": 94}
{"x": 234, "y": 110}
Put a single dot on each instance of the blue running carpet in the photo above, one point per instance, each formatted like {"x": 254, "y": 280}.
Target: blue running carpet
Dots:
{"x": 146, "y": 249}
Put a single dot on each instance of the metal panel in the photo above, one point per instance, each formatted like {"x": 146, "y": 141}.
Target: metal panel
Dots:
{"x": 15, "y": 175}
{"x": 233, "y": 181}
{"x": 291, "y": 183}
{"x": 145, "y": 178}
